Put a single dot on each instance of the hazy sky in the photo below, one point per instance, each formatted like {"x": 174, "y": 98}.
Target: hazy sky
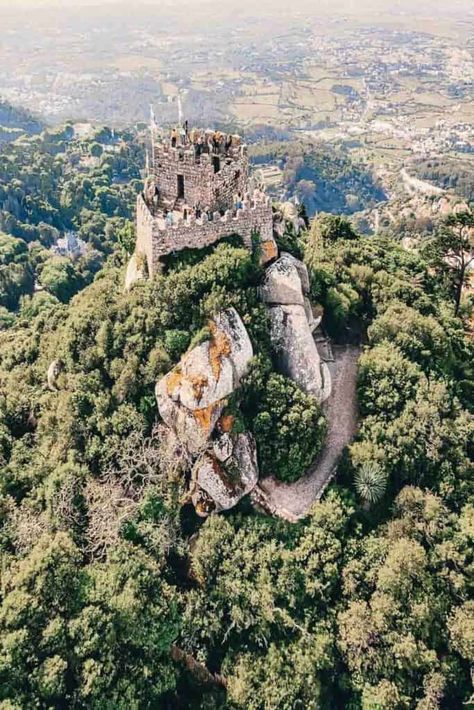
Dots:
{"x": 446, "y": 9}
{"x": 344, "y": 5}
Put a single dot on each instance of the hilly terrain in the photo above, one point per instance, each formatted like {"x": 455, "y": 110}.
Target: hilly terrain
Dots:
{"x": 16, "y": 121}
{"x": 114, "y": 592}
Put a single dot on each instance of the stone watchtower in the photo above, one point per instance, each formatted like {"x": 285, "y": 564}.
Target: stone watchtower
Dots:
{"x": 198, "y": 191}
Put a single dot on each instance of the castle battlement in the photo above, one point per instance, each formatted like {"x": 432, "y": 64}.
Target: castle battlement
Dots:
{"x": 199, "y": 192}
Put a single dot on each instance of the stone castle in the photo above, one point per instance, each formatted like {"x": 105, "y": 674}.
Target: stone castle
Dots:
{"x": 198, "y": 191}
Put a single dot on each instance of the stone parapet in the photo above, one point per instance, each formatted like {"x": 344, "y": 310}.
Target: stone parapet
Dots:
{"x": 156, "y": 239}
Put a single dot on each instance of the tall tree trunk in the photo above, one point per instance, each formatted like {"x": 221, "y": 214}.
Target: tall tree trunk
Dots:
{"x": 459, "y": 289}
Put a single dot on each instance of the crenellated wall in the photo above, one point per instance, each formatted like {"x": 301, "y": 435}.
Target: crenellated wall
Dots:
{"x": 210, "y": 183}
{"x": 155, "y": 239}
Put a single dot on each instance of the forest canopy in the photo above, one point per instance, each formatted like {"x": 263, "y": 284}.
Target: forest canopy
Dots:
{"x": 115, "y": 594}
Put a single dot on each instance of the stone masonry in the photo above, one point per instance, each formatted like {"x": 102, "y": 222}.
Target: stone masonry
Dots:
{"x": 194, "y": 198}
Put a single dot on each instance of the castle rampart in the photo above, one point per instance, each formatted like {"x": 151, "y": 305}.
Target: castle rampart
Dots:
{"x": 197, "y": 193}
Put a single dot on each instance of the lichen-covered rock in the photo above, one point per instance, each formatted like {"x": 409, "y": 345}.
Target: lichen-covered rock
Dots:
{"x": 309, "y": 314}
{"x": 244, "y": 457}
{"x": 282, "y": 283}
{"x": 327, "y": 382}
{"x": 204, "y": 376}
{"x": 228, "y": 325}
{"x": 292, "y": 322}
{"x": 192, "y": 396}
{"x": 297, "y": 354}
{"x": 223, "y": 447}
{"x": 192, "y": 427}
{"x": 227, "y": 482}
{"x": 135, "y": 272}
{"x": 269, "y": 251}
{"x": 202, "y": 501}
{"x": 54, "y": 370}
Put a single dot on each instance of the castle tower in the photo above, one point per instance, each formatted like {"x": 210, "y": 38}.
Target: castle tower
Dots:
{"x": 198, "y": 192}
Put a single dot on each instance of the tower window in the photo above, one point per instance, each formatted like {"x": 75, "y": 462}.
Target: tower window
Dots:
{"x": 180, "y": 187}
{"x": 216, "y": 161}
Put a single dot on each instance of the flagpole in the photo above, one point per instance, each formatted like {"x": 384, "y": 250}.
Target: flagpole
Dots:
{"x": 152, "y": 132}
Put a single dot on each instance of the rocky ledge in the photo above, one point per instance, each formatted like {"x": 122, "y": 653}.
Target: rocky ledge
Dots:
{"x": 191, "y": 400}
{"x": 285, "y": 290}
{"x": 192, "y": 397}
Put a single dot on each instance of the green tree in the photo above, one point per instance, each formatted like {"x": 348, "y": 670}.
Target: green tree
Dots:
{"x": 41, "y": 594}
{"x": 16, "y": 274}
{"x": 289, "y": 428}
{"x": 453, "y": 247}
{"x": 59, "y": 277}
{"x": 393, "y": 629}
{"x": 371, "y": 482}
{"x": 123, "y": 634}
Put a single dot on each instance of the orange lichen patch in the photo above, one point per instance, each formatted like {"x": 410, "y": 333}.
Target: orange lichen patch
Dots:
{"x": 205, "y": 507}
{"x": 198, "y": 383}
{"x": 226, "y": 423}
{"x": 219, "y": 348}
{"x": 219, "y": 471}
{"x": 173, "y": 381}
{"x": 269, "y": 251}
{"x": 204, "y": 417}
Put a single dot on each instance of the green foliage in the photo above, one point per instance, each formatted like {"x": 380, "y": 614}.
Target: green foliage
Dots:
{"x": 41, "y": 302}
{"x": 43, "y": 194}
{"x": 7, "y": 318}
{"x": 133, "y": 668}
{"x": 421, "y": 338}
{"x": 59, "y": 278}
{"x": 288, "y": 425}
{"x": 332, "y": 228}
{"x": 176, "y": 343}
{"x": 106, "y": 576}
{"x": 16, "y": 277}
{"x": 370, "y": 482}
{"x": 387, "y": 380}
{"x": 451, "y": 252}
{"x": 341, "y": 305}
{"x": 392, "y": 629}
{"x": 260, "y": 579}
{"x": 83, "y": 635}
{"x": 324, "y": 180}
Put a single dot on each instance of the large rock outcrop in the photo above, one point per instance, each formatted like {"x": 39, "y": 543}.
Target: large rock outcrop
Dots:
{"x": 285, "y": 290}
{"x": 287, "y": 217}
{"x": 136, "y": 271}
{"x": 191, "y": 399}
{"x": 54, "y": 371}
{"x": 192, "y": 396}
{"x": 226, "y": 481}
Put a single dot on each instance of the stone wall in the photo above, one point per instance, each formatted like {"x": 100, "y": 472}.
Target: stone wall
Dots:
{"x": 202, "y": 185}
{"x": 156, "y": 242}
{"x": 145, "y": 228}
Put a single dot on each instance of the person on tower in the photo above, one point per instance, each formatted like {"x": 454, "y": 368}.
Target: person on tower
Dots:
{"x": 199, "y": 146}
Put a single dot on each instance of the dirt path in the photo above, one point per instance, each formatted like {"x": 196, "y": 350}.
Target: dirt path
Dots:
{"x": 292, "y": 501}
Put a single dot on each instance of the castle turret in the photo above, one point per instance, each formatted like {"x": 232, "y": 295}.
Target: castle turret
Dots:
{"x": 198, "y": 192}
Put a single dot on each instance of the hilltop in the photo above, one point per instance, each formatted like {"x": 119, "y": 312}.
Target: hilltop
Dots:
{"x": 114, "y": 590}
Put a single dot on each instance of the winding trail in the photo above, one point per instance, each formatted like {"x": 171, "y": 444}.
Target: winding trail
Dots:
{"x": 292, "y": 501}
